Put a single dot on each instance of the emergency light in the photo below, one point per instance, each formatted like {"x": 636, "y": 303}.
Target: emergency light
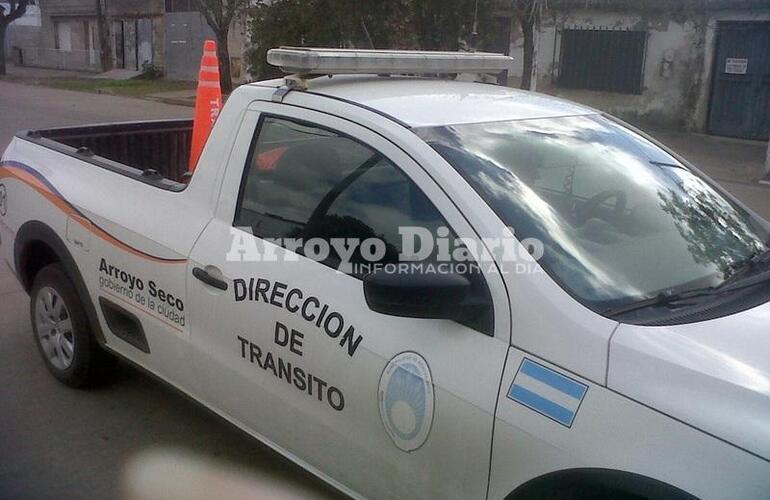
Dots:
{"x": 320, "y": 61}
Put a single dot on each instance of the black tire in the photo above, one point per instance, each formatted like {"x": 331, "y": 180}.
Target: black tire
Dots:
{"x": 82, "y": 363}
{"x": 597, "y": 483}
{"x": 584, "y": 492}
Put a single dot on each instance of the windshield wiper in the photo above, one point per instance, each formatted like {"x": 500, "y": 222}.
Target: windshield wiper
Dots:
{"x": 745, "y": 268}
{"x": 661, "y": 299}
{"x": 673, "y": 298}
{"x": 668, "y": 165}
{"x": 746, "y": 282}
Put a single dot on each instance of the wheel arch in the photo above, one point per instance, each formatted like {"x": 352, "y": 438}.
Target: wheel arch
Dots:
{"x": 36, "y": 246}
{"x": 609, "y": 481}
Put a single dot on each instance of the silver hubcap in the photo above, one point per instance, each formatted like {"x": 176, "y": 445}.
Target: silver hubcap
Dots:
{"x": 54, "y": 328}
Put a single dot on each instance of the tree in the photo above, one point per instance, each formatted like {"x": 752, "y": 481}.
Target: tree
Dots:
{"x": 529, "y": 13}
{"x": 16, "y": 9}
{"x": 220, "y": 15}
{"x": 391, "y": 24}
{"x": 322, "y": 23}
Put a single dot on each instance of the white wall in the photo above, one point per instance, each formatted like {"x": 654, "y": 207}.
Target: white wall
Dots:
{"x": 677, "y": 69}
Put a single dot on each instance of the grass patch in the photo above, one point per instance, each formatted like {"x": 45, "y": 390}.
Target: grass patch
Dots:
{"x": 129, "y": 88}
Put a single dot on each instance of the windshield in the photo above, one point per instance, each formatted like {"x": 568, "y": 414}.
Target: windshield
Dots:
{"x": 619, "y": 218}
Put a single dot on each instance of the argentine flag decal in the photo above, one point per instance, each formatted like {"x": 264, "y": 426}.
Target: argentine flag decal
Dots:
{"x": 548, "y": 392}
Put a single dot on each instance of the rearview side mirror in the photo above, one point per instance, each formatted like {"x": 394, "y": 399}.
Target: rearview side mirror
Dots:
{"x": 422, "y": 295}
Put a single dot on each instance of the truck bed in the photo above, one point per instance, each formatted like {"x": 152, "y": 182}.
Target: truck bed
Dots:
{"x": 155, "y": 151}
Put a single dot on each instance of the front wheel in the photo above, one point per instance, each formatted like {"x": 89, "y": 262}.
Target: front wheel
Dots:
{"x": 62, "y": 331}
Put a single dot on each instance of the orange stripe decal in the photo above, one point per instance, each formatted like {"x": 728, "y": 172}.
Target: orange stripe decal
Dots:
{"x": 33, "y": 179}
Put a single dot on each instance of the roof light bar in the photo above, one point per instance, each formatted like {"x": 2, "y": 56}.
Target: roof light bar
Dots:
{"x": 318, "y": 61}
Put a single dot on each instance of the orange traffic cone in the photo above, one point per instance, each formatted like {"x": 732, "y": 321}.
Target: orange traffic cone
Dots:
{"x": 208, "y": 101}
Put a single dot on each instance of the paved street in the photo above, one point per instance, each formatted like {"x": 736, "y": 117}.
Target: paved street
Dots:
{"x": 736, "y": 164}
{"x": 60, "y": 443}
{"x": 28, "y": 106}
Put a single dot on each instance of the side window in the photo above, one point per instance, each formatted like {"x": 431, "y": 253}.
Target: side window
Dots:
{"x": 305, "y": 182}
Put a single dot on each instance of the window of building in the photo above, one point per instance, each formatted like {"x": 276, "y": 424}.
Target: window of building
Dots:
{"x": 62, "y": 36}
{"x": 605, "y": 60}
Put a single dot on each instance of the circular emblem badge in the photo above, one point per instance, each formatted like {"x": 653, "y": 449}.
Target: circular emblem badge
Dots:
{"x": 3, "y": 200}
{"x": 406, "y": 400}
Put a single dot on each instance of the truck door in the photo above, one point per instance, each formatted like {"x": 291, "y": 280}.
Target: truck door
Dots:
{"x": 285, "y": 344}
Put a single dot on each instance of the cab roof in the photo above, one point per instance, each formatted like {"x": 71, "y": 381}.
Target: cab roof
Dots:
{"x": 423, "y": 102}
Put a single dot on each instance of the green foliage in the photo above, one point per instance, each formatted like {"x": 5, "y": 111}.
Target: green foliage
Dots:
{"x": 394, "y": 24}
{"x": 13, "y": 10}
{"x": 150, "y": 72}
{"x": 135, "y": 87}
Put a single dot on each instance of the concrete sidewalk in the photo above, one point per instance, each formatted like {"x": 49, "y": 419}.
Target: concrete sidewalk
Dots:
{"x": 28, "y": 73}
{"x": 36, "y": 74}
{"x": 723, "y": 158}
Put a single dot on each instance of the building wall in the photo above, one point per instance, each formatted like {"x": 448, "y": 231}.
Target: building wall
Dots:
{"x": 237, "y": 44}
{"x": 38, "y": 44}
{"x": 135, "y": 8}
{"x": 677, "y": 67}
{"x": 130, "y": 10}
{"x": 185, "y": 34}
{"x": 19, "y": 37}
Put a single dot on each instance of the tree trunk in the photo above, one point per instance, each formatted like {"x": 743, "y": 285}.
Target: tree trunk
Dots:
{"x": 3, "y": 31}
{"x": 529, "y": 17}
{"x": 535, "y": 48}
{"x": 223, "y": 54}
{"x": 105, "y": 55}
{"x": 527, "y": 30}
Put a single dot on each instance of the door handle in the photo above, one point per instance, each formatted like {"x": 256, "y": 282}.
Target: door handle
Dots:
{"x": 205, "y": 277}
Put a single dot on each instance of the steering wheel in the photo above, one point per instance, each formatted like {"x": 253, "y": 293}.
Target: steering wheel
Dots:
{"x": 590, "y": 208}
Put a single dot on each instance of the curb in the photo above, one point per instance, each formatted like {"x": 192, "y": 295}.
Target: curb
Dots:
{"x": 190, "y": 103}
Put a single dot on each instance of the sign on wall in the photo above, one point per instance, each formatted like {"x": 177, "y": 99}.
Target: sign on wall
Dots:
{"x": 736, "y": 66}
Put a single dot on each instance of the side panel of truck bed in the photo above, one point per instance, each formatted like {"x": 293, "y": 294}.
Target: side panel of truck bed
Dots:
{"x": 126, "y": 238}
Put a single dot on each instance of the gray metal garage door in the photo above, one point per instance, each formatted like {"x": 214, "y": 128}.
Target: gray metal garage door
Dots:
{"x": 740, "y": 98}
{"x": 185, "y": 34}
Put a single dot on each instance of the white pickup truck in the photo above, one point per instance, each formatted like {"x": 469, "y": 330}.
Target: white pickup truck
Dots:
{"x": 413, "y": 287}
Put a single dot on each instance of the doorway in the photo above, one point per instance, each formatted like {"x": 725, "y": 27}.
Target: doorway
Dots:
{"x": 740, "y": 97}
{"x": 132, "y": 43}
